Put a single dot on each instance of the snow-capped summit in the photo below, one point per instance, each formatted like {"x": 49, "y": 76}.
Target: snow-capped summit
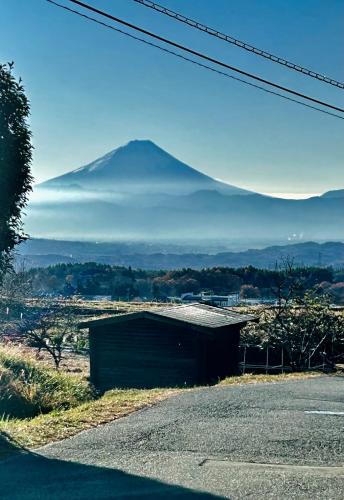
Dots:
{"x": 140, "y": 166}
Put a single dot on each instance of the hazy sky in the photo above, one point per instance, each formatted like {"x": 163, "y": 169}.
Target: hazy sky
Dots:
{"x": 92, "y": 89}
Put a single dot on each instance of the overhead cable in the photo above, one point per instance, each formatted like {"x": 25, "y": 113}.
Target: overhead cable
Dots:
{"x": 214, "y": 70}
{"x": 203, "y": 56}
{"x": 239, "y": 43}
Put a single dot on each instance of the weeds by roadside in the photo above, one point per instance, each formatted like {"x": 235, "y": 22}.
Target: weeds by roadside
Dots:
{"x": 28, "y": 389}
{"x": 253, "y": 378}
{"x": 57, "y": 425}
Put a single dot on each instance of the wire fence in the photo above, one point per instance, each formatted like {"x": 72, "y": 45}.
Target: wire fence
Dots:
{"x": 271, "y": 359}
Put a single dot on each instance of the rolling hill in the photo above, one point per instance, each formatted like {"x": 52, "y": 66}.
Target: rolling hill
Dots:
{"x": 43, "y": 253}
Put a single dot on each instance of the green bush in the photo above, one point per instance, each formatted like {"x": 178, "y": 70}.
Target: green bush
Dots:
{"x": 28, "y": 389}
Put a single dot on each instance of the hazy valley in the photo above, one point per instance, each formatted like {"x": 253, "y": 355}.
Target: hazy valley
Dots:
{"x": 139, "y": 192}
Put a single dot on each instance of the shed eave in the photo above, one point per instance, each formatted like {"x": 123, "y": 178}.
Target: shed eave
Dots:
{"x": 164, "y": 319}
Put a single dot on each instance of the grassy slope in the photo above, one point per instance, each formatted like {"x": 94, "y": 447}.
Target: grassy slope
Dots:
{"x": 57, "y": 425}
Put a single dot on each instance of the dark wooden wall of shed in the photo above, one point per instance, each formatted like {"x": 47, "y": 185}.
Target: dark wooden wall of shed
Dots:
{"x": 223, "y": 353}
{"x": 144, "y": 353}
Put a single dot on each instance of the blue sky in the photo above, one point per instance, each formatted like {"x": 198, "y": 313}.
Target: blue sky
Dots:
{"x": 92, "y": 90}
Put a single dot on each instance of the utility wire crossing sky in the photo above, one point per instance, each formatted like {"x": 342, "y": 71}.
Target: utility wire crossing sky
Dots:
{"x": 203, "y": 56}
{"x": 201, "y": 64}
{"x": 246, "y": 46}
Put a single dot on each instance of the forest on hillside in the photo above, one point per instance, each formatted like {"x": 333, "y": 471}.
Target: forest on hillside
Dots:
{"x": 125, "y": 283}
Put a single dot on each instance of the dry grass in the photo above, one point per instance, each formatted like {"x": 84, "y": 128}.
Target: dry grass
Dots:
{"x": 115, "y": 305}
{"x": 253, "y": 378}
{"x": 29, "y": 388}
{"x": 92, "y": 309}
{"x": 57, "y": 425}
{"x": 71, "y": 364}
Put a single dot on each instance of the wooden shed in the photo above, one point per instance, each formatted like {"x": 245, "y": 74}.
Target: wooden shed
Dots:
{"x": 165, "y": 347}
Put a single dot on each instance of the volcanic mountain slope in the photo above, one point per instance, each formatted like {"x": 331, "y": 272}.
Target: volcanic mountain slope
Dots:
{"x": 140, "y": 192}
{"x": 337, "y": 193}
{"x": 140, "y": 167}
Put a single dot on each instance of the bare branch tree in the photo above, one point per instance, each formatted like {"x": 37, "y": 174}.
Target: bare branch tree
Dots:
{"x": 51, "y": 326}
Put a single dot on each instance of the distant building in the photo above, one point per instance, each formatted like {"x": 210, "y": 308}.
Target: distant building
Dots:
{"x": 232, "y": 299}
{"x": 216, "y": 300}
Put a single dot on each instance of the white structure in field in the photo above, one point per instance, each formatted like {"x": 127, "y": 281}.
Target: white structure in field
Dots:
{"x": 219, "y": 300}
{"x": 229, "y": 300}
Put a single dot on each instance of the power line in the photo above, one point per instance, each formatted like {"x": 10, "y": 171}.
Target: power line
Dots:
{"x": 246, "y": 46}
{"x": 222, "y": 73}
{"x": 203, "y": 56}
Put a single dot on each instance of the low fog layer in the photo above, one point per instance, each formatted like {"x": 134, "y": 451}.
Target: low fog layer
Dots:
{"x": 140, "y": 192}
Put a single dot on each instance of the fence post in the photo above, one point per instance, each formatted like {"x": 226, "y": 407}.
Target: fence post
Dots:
{"x": 282, "y": 360}
{"x": 267, "y": 360}
{"x": 244, "y": 362}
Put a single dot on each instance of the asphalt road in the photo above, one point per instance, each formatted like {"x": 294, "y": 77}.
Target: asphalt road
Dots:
{"x": 252, "y": 441}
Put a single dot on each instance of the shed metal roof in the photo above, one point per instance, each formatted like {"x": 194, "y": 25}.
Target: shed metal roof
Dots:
{"x": 201, "y": 315}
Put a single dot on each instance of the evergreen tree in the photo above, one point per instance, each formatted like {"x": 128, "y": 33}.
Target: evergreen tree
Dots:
{"x": 15, "y": 161}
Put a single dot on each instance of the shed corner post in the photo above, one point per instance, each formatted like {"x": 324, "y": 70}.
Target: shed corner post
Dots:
{"x": 92, "y": 356}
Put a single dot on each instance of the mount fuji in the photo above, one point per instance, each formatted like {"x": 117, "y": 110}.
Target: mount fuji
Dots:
{"x": 140, "y": 167}
{"x": 141, "y": 192}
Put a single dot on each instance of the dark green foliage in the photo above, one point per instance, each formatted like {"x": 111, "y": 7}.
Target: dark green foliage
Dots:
{"x": 92, "y": 279}
{"x": 123, "y": 283}
{"x": 15, "y": 161}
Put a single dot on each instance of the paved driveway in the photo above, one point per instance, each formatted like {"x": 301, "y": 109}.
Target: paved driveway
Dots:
{"x": 278, "y": 441}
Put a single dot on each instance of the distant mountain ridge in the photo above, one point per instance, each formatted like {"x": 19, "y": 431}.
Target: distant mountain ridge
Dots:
{"x": 336, "y": 193}
{"x": 141, "y": 192}
{"x": 42, "y": 253}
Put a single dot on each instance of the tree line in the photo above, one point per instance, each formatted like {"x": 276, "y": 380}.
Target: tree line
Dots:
{"x": 125, "y": 283}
